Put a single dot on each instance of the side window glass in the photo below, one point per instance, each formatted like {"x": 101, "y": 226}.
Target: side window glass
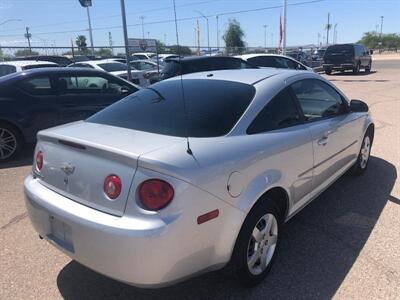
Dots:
{"x": 5, "y": 70}
{"x": 88, "y": 84}
{"x": 280, "y": 112}
{"x": 37, "y": 86}
{"x": 317, "y": 99}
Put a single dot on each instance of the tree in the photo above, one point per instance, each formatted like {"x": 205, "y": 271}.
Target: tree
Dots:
{"x": 372, "y": 40}
{"x": 25, "y": 52}
{"x": 183, "y": 50}
{"x": 233, "y": 37}
{"x": 81, "y": 43}
{"x": 104, "y": 52}
{"x": 161, "y": 48}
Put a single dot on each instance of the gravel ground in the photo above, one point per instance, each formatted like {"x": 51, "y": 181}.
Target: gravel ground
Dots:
{"x": 343, "y": 245}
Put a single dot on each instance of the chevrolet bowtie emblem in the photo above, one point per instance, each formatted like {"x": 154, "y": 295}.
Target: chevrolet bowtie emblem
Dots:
{"x": 68, "y": 169}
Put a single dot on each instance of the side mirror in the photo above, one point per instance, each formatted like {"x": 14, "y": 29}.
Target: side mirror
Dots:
{"x": 358, "y": 106}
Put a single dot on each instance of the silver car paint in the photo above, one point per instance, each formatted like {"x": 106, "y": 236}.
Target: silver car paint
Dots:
{"x": 228, "y": 173}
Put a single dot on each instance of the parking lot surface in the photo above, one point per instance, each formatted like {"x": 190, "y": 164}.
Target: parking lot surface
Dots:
{"x": 344, "y": 245}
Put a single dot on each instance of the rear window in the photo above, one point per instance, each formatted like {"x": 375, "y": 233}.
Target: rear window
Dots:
{"x": 339, "y": 49}
{"x": 113, "y": 67}
{"x": 28, "y": 67}
{"x": 159, "y": 109}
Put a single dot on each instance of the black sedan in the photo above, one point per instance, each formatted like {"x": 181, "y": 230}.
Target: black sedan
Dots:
{"x": 41, "y": 98}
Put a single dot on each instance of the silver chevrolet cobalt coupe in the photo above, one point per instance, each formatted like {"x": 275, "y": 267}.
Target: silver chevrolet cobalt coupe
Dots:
{"x": 195, "y": 173}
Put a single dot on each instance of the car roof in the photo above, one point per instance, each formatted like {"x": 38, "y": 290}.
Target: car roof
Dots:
{"x": 248, "y": 76}
{"x": 23, "y": 63}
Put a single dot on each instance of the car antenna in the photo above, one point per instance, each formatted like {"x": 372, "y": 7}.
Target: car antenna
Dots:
{"x": 188, "y": 150}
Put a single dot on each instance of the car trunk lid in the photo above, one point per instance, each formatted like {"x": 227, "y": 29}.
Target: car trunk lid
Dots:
{"x": 78, "y": 157}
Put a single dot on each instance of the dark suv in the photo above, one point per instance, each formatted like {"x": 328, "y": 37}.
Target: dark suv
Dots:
{"x": 175, "y": 66}
{"x": 347, "y": 57}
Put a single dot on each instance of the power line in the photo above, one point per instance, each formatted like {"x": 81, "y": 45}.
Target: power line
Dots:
{"x": 179, "y": 20}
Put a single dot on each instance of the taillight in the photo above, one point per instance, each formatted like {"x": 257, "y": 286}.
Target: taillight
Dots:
{"x": 112, "y": 186}
{"x": 39, "y": 161}
{"x": 155, "y": 194}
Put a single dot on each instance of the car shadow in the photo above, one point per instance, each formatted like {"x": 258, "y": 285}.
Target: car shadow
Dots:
{"x": 23, "y": 158}
{"x": 319, "y": 246}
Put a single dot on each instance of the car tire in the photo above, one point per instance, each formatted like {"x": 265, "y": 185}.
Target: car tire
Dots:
{"x": 257, "y": 243}
{"x": 368, "y": 68}
{"x": 356, "y": 70}
{"x": 328, "y": 71}
{"x": 363, "y": 156}
{"x": 10, "y": 142}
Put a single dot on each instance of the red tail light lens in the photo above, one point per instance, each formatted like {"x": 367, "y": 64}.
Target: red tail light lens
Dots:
{"x": 112, "y": 186}
{"x": 39, "y": 161}
{"x": 155, "y": 194}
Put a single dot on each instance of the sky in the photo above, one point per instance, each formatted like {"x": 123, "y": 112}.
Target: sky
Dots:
{"x": 56, "y": 22}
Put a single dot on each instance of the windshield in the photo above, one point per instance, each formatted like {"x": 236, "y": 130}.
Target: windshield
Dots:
{"x": 339, "y": 49}
{"x": 113, "y": 67}
{"x": 209, "y": 112}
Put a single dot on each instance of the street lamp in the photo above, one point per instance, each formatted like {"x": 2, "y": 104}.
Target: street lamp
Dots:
{"x": 87, "y": 4}
{"x": 265, "y": 37}
{"x": 208, "y": 31}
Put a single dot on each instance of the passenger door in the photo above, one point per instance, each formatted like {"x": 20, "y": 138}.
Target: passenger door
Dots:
{"x": 83, "y": 95}
{"x": 286, "y": 145}
{"x": 333, "y": 129}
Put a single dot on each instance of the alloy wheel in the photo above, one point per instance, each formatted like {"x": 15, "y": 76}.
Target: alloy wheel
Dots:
{"x": 365, "y": 152}
{"x": 8, "y": 143}
{"x": 262, "y": 244}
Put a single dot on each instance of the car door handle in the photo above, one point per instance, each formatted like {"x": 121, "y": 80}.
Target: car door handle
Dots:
{"x": 323, "y": 141}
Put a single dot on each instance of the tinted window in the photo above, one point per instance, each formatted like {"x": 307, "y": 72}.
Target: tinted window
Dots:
{"x": 170, "y": 69}
{"x": 113, "y": 67}
{"x": 286, "y": 63}
{"x": 340, "y": 49}
{"x": 318, "y": 99}
{"x": 280, "y": 112}
{"x": 37, "y": 86}
{"x": 89, "y": 84}
{"x": 263, "y": 61}
{"x": 6, "y": 69}
{"x": 80, "y": 65}
{"x": 39, "y": 66}
{"x": 211, "y": 111}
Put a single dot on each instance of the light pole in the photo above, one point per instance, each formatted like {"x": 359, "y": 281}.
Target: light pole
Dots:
{"x": 284, "y": 26}
{"x": 126, "y": 39}
{"x": 380, "y": 36}
{"x": 265, "y": 37}
{"x": 328, "y": 27}
{"x": 208, "y": 31}
{"x": 217, "y": 16}
{"x": 142, "y": 18}
{"x": 334, "y": 33}
{"x": 87, "y": 3}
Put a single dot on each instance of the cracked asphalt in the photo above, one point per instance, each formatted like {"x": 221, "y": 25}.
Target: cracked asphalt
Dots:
{"x": 344, "y": 245}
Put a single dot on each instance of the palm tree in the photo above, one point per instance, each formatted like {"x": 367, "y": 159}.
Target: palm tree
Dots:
{"x": 81, "y": 43}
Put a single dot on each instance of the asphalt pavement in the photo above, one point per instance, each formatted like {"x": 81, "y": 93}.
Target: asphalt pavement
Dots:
{"x": 344, "y": 245}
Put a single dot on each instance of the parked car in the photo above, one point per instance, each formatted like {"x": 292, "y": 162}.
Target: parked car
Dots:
{"x": 114, "y": 67}
{"x": 157, "y": 187}
{"x": 342, "y": 57}
{"x": 143, "y": 55}
{"x": 150, "y": 68}
{"x": 62, "y": 61}
{"x": 162, "y": 57}
{"x": 274, "y": 61}
{"x": 10, "y": 67}
{"x": 300, "y": 55}
{"x": 318, "y": 54}
{"x": 186, "y": 65}
{"x": 42, "y": 98}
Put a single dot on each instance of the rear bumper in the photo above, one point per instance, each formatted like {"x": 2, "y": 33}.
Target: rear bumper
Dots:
{"x": 135, "y": 250}
{"x": 346, "y": 66}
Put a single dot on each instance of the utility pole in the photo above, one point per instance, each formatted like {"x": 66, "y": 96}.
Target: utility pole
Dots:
{"x": 110, "y": 42}
{"x": 208, "y": 31}
{"x": 334, "y": 33}
{"x": 142, "y": 18}
{"x": 198, "y": 38}
{"x": 217, "y": 32}
{"x": 28, "y": 37}
{"x": 265, "y": 37}
{"x": 90, "y": 30}
{"x": 284, "y": 26}
{"x": 381, "y": 25}
{"x": 328, "y": 27}
{"x": 126, "y": 39}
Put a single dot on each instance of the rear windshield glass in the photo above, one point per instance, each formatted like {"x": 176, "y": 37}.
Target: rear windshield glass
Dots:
{"x": 39, "y": 66}
{"x": 339, "y": 49}
{"x": 159, "y": 109}
{"x": 112, "y": 67}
